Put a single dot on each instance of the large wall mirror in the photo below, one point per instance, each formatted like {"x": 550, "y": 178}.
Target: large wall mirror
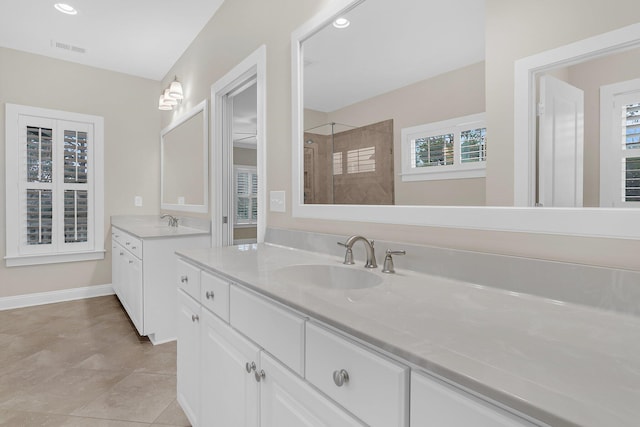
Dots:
{"x": 388, "y": 127}
{"x": 184, "y": 156}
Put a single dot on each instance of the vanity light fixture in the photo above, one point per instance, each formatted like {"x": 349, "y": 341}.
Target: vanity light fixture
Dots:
{"x": 65, "y": 8}
{"x": 341, "y": 23}
{"x": 171, "y": 96}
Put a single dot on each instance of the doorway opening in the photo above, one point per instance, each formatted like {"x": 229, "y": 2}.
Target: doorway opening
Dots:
{"x": 238, "y": 153}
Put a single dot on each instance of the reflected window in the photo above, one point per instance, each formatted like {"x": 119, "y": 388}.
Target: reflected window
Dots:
{"x": 337, "y": 163}
{"x": 246, "y": 195}
{"x": 361, "y": 160}
{"x": 449, "y": 149}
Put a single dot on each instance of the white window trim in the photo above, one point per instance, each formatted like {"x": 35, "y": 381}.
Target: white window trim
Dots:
{"x": 611, "y": 152}
{"x": 457, "y": 170}
{"x": 247, "y": 223}
{"x": 14, "y": 255}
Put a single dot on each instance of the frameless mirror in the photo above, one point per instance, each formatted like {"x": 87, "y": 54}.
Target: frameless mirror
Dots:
{"x": 341, "y": 84}
{"x": 184, "y": 162}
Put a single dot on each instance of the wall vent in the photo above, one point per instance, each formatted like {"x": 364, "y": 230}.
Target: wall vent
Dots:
{"x": 67, "y": 46}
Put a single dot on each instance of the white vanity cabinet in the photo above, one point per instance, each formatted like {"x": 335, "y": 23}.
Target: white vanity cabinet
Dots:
{"x": 257, "y": 363}
{"x": 434, "y": 403}
{"x": 142, "y": 277}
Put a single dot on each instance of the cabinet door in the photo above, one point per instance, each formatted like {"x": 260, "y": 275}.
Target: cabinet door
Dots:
{"x": 229, "y": 392}
{"x": 287, "y": 401}
{"x": 188, "y": 357}
{"x": 134, "y": 291}
{"x": 436, "y": 404}
{"x": 117, "y": 255}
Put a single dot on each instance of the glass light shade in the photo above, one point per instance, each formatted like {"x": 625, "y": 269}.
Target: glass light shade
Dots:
{"x": 163, "y": 105}
{"x": 168, "y": 99}
{"x": 175, "y": 90}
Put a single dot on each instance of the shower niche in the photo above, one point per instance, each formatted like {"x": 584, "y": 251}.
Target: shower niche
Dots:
{"x": 346, "y": 164}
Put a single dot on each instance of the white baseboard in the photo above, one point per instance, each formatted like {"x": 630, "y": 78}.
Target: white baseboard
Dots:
{"x": 41, "y": 298}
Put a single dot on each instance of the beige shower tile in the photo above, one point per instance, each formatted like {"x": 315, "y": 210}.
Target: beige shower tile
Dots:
{"x": 139, "y": 397}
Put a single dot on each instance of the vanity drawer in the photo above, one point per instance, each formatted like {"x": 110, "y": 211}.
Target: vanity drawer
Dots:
{"x": 188, "y": 277}
{"x": 373, "y": 387}
{"x": 273, "y": 328}
{"x": 132, "y": 244}
{"x": 214, "y": 295}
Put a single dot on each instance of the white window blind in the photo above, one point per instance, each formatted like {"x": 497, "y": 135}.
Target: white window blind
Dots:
{"x": 246, "y": 195}
{"x": 449, "y": 149}
{"x": 54, "y": 186}
{"x": 631, "y": 149}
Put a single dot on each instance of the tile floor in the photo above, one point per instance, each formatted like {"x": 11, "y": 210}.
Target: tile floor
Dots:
{"x": 81, "y": 364}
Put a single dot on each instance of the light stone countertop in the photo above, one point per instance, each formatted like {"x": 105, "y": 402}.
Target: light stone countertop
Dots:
{"x": 149, "y": 227}
{"x": 563, "y": 364}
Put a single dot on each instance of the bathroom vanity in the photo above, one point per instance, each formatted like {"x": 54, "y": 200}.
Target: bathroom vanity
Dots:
{"x": 143, "y": 266}
{"x": 261, "y": 343}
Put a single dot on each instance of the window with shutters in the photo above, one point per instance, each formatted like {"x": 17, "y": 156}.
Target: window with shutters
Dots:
{"x": 449, "y": 149}
{"x": 54, "y": 186}
{"x": 620, "y": 144}
{"x": 246, "y": 195}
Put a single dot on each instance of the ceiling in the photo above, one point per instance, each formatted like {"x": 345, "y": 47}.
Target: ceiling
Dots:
{"x": 390, "y": 44}
{"x": 143, "y": 38}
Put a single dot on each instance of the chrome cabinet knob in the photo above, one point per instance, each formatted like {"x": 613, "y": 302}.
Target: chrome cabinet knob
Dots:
{"x": 209, "y": 295}
{"x": 121, "y": 253}
{"x": 130, "y": 261}
{"x": 340, "y": 377}
{"x": 184, "y": 279}
{"x": 259, "y": 375}
{"x": 195, "y": 317}
{"x": 250, "y": 366}
{"x": 127, "y": 243}
{"x": 133, "y": 247}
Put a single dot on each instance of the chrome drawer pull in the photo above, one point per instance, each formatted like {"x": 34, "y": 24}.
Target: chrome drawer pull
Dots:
{"x": 259, "y": 375}
{"x": 184, "y": 279}
{"x": 250, "y": 367}
{"x": 195, "y": 317}
{"x": 209, "y": 295}
{"x": 340, "y": 377}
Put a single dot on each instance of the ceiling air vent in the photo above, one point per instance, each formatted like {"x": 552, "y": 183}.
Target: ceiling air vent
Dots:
{"x": 67, "y": 46}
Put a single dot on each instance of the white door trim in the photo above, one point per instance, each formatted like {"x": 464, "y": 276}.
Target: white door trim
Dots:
{"x": 253, "y": 65}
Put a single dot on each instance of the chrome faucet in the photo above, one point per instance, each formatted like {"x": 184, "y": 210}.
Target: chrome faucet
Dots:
{"x": 173, "y": 221}
{"x": 368, "y": 245}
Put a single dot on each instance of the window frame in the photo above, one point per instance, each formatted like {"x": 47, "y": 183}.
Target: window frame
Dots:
{"x": 612, "y": 153}
{"x": 253, "y": 170}
{"x": 20, "y": 254}
{"x": 457, "y": 170}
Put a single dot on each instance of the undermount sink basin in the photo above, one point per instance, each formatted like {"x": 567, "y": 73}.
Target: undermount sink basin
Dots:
{"x": 328, "y": 276}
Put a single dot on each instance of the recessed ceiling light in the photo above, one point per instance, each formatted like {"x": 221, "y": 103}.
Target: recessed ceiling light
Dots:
{"x": 65, "y": 8}
{"x": 341, "y": 23}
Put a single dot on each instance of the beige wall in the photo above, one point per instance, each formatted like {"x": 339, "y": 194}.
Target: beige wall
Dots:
{"x": 132, "y": 164}
{"x": 516, "y": 28}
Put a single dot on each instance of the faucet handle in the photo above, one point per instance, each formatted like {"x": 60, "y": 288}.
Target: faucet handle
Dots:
{"x": 388, "y": 260}
{"x": 348, "y": 255}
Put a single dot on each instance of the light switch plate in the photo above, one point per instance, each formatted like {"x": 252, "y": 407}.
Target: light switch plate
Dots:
{"x": 137, "y": 201}
{"x": 277, "y": 201}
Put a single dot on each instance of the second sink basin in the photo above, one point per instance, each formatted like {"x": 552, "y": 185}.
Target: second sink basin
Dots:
{"x": 328, "y": 276}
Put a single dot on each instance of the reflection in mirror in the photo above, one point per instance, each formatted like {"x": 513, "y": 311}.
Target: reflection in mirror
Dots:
{"x": 346, "y": 164}
{"x": 359, "y": 77}
{"x": 577, "y": 104}
{"x": 184, "y": 172}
